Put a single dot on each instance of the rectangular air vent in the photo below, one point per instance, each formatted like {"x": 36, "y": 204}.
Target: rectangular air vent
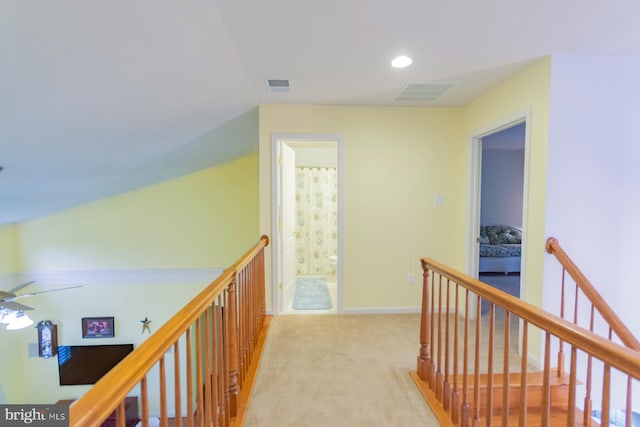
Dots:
{"x": 423, "y": 92}
{"x": 278, "y": 85}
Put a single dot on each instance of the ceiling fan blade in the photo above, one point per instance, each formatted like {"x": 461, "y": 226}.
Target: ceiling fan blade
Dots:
{"x": 41, "y": 292}
{"x": 24, "y": 285}
{"x": 14, "y": 306}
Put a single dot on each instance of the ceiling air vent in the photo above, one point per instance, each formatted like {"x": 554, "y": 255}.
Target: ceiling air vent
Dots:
{"x": 278, "y": 86}
{"x": 423, "y": 92}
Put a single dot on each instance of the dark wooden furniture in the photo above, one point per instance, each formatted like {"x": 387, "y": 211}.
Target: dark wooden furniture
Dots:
{"x": 130, "y": 408}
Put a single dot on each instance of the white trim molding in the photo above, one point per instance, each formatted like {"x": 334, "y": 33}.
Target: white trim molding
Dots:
{"x": 112, "y": 277}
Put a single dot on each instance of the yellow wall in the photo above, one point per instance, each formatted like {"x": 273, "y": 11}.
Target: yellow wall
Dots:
{"x": 528, "y": 92}
{"x": 207, "y": 219}
{"x": 10, "y": 368}
{"x": 396, "y": 160}
{"x": 204, "y": 220}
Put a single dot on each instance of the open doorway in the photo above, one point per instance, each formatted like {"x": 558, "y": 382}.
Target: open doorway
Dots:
{"x": 501, "y": 208}
{"x": 308, "y": 219}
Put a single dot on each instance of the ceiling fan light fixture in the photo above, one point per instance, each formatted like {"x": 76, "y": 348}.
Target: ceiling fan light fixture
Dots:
{"x": 20, "y": 321}
{"x": 401, "y": 61}
{"x": 6, "y": 316}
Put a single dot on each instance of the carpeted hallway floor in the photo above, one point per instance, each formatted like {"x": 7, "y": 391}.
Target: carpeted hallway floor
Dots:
{"x": 339, "y": 370}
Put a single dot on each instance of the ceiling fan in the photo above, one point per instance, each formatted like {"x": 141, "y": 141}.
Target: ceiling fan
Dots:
{"x": 13, "y": 313}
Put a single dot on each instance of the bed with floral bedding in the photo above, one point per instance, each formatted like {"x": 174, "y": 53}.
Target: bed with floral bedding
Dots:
{"x": 500, "y": 248}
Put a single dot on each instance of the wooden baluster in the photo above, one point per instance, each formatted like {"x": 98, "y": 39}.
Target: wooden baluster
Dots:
{"x": 606, "y": 393}
{"x": 455, "y": 397}
{"x": 177, "y": 384}
{"x": 189, "y": 374}
{"x": 546, "y": 383}
{"x": 207, "y": 367}
{"x": 505, "y": 368}
{"x": 121, "y": 416}
{"x": 571, "y": 406}
{"x": 216, "y": 375}
{"x": 476, "y": 368}
{"x": 163, "y": 393}
{"x": 523, "y": 374}
{"x": 446, "y": 387}
{"x": 223, "y": 322}
{"x": 424, "y": 356}
{"x": 492, "y": 312}
{"x": 144, "y": 402}
{"x": 240, "y": 332}
{"x": 199, "y": 402}
{"x": 588, "y": 404}
{"x": 628, "y": 410}
{"x": 432, "y": 371}
{"x": 248, "y": 322}
{"x": 560, "y": 370}
{"x": 466, "y": 410}
{"x": 232, "y": 344}
{"x": 439, "y": 358}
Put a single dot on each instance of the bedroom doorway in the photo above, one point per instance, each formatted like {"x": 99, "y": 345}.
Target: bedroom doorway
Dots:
{"x": 499, "y": 185}
{"x": 501, "y": 208}
{"x": 308, "y": 217}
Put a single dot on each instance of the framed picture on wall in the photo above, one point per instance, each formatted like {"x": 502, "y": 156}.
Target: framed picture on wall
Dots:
{"x": 98, "y": 327}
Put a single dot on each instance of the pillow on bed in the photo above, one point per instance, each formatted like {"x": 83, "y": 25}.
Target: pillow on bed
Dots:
{"x": 501, "y": 234}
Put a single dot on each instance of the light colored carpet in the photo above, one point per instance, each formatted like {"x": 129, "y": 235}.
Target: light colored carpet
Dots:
{"x": 339, "y": 370}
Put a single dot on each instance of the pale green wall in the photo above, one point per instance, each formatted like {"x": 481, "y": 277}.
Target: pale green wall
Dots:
{"x": 396, "y": 161}
{"x": 204, "y": 220}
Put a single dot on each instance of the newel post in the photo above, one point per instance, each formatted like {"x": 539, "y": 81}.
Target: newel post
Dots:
{"x": 424, "y": 358}
{"x": 232, "y": 333}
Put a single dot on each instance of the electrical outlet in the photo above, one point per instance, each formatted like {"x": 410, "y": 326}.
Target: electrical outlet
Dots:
{"x": 411, "y": 279}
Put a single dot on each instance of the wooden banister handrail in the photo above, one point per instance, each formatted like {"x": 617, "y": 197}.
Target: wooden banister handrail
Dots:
{"x": 626, "y": 336}
{"x": 626, "y": 360}
{"x": 104, "y": 397}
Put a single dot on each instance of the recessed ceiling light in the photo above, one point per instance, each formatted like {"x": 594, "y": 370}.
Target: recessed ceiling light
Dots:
{"x": 401, "y": 62}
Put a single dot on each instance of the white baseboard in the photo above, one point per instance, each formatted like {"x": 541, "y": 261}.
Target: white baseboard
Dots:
{"x": 382, "y": 310}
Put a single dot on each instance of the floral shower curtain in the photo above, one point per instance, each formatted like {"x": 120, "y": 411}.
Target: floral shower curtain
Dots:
{"x": 317, "y": 219}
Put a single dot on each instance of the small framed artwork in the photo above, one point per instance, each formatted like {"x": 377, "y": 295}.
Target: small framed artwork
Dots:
{"x": 47, "y": 339}
{"x": 97, "y": 327}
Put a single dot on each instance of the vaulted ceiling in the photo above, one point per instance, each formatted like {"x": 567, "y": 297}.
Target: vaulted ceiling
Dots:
{"x": 101, "y": 97}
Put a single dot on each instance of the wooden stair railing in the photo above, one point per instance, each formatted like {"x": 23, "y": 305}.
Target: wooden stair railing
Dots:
{"x": 598, "y": 305}
{"x": 210, "y": 343}
{"x": 473, "y": 370}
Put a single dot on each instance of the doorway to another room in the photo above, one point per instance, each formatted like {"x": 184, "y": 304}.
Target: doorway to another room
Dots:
{"x": 308, "y": 216}
{"x": 501, "y": 208}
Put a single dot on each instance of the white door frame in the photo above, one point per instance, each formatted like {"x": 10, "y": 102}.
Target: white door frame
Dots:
{"x": 475, "y": 178}
{"x": 277, "y": 245}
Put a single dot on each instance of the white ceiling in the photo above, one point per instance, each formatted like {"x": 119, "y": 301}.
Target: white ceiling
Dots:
{"x": 95, "y": 92}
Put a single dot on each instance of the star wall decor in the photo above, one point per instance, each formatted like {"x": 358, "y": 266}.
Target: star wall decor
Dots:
{"x": 146, "y": 325}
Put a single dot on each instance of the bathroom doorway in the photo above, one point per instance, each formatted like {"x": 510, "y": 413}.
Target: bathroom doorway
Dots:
{"x": 308, "y": 220}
